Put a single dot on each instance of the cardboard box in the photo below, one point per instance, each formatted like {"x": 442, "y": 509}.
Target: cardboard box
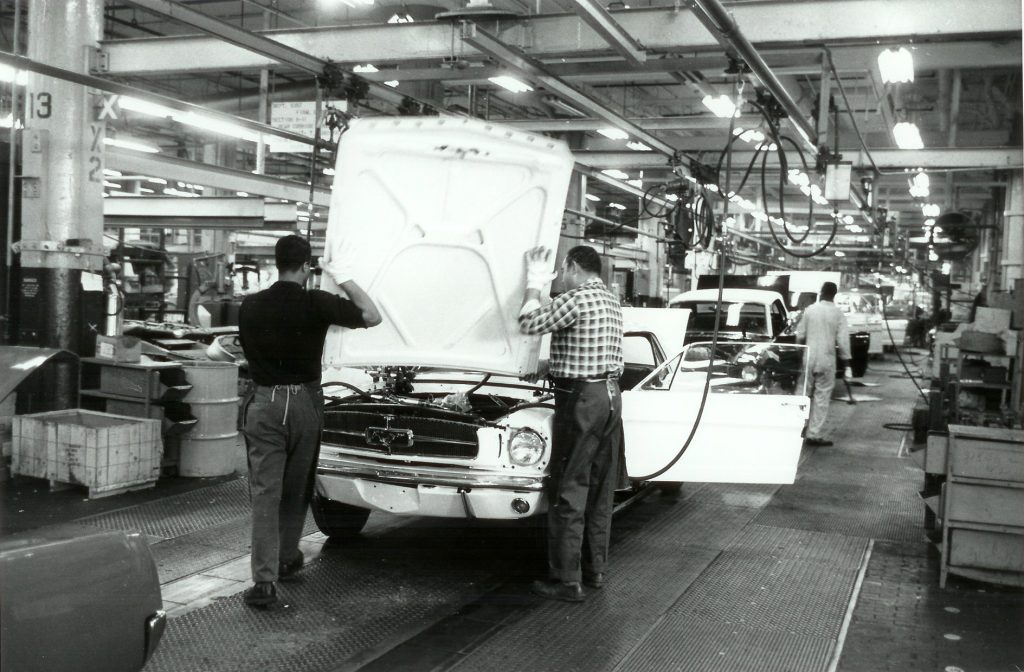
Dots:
{"x": 125, "y": 349}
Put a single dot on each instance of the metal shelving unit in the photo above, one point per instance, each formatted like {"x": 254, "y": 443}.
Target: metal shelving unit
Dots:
{"x": 983, "y": 505}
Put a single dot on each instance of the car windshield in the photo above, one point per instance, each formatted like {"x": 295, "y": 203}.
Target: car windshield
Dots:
{"x": 736, "y": 368}
{"x": 735, "y": 316}
{"x": 856, "y": 302}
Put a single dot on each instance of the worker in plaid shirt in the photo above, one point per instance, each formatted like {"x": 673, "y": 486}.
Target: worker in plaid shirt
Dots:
{"x": 585, "y": 324}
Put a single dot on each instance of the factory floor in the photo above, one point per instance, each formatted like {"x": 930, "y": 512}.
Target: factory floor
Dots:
{"x": 834, "y": 572}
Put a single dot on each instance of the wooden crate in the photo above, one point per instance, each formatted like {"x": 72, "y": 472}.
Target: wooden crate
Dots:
{"x": 107, "y": 453}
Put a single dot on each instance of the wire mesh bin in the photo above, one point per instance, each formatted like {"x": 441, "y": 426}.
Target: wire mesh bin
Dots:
{"x": 104, "y": 452}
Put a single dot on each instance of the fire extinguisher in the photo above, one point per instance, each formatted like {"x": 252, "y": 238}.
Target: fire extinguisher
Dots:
{"x": 114, "y": 311}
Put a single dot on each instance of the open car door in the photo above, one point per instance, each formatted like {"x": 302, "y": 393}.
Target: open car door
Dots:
{"x": 750, "y": 430}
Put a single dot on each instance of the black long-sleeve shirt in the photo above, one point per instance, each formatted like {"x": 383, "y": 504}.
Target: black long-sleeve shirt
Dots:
{"x": 282, "y": 331}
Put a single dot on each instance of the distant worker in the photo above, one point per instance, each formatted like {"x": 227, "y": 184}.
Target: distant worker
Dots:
{"x": 823, "y": 328}
{"x": 282, "y": 331}
{"x": 585, "y": 323}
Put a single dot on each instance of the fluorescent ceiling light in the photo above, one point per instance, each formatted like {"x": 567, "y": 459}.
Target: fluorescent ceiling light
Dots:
{"x": 242, "y": 193}
{"x": 616, "y": 173}
{"x": 591, "y": 197}
{"x": 555, "y": 101}
{"x": 617, "y": 206}
{"x": 510, "y": 83}
{"x": 131, "y": 144}
{"x": 217, "y": 126}
{"x": 613, "y": 133}
{"x": 907, "y": 135}
{"x": 638, "y": 146}
{"x": 369, "y": 67}
{"x": 722, "y": 106}
{"x": 328, "y": 171}
{"x": 404, "y": 17}
{"x": 896, "y": 66}
{"x": 392, "y": 83}
{"x": 145, "y": 107}
{"x": 930, "y": 210}
{"x": 110, "y": 172}
{"x": 156, "y": 180}
{"x": 639, "y": 184}
{"x": 9, "y": 74}
{"x": 840, "y": 253}
{"x": 194, "y": 119}
{"x": 5, "y": 122}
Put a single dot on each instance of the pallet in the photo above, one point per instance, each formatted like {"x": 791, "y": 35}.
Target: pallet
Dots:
{"x": 102, "y": 491}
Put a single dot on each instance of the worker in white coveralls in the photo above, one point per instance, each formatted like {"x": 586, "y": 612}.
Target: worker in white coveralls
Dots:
{"x": 823, "y": 328}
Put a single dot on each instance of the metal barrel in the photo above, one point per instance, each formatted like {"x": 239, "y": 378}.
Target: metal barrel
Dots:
{"x": 209, "y": 448}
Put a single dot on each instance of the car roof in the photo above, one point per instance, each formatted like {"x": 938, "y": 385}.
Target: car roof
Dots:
{"x": 734, "y": 295}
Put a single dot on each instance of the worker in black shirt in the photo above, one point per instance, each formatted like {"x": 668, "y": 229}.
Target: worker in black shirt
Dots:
{"x": 282, "y": 331}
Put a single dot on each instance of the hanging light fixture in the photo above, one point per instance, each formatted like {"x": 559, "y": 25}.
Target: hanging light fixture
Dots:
{"x": 896, "y": 66}
{"x": 907, "y": 136}
{"x": 510, "y": 83}
{"x": 722, "y": 106}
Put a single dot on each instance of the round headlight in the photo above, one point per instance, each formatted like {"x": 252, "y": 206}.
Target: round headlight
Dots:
{"x": 526, "y": 448}
{"x": 749, "y": 374}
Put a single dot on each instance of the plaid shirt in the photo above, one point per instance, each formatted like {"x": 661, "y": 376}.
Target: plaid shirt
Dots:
{"x": 586, "y": 331}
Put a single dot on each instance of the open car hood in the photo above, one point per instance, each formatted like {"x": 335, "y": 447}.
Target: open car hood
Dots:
{"x": 434, "y": 216}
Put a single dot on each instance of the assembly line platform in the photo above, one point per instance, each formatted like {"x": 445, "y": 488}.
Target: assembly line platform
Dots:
{"x": 834, "y": 572}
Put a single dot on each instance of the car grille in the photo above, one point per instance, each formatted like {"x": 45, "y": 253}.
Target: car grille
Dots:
{"x": 432, "y": 437}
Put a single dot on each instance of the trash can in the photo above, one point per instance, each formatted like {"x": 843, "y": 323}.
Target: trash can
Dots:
{"x": 859, "y": 342}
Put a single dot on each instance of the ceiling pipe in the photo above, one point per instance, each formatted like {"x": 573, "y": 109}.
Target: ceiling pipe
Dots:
{"x": 718, "y": 22}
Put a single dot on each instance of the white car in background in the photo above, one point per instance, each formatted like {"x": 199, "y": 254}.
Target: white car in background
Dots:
{"x": 442, "y": 212}
{"x": 863, "y": 314}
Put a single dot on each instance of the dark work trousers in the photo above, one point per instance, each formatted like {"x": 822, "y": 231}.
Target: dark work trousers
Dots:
{"x": 282, "y": 431}
{"x": 587, "y": 432}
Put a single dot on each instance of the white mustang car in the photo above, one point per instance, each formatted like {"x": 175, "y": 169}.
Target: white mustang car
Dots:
{"x": 441, "y": 212}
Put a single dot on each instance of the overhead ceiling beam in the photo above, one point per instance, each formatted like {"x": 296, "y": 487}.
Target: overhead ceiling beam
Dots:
{"x": 217, "y": 212}
{"x": 722, "y": 25}
{"x": 208, "y": 175}
{"x": 489, "y": 44}
{"x": 22, "y": 63}
{"x": 778, "y": 24}
{"x": 601, "y": 20}
{"x": 258, "y": 45}
{"x": 995, "y": 158}
{"x": 691, "y": 123}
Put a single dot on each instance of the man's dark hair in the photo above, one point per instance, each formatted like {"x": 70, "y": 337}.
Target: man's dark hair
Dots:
{"x": 828, "y": 291}
{"x": 291, "y": 252}
{"x": 586, "y": 258}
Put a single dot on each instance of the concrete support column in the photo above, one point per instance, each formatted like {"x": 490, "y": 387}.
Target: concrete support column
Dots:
{"x": 1012, "y": 258}
{"x": 62, "y": 184}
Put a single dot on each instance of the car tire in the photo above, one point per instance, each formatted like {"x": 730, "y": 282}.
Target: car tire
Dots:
{"x": 337, "y": 520}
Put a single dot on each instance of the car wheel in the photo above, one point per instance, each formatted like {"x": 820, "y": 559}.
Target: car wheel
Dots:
{"x": 337, "y": 520}
{"x": 670, "y": 488}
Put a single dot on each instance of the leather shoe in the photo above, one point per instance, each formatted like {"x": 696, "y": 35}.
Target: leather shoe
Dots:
{"x": 262, "y": 594}
{"x": 595, "y": 580}
{"x": 558, "y": 590}
{"x": 817, "y": 442}
{"x": 287, "y": 570}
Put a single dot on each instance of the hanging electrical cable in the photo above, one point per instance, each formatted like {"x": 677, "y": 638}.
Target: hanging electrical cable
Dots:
{"x": 721, "y": 248}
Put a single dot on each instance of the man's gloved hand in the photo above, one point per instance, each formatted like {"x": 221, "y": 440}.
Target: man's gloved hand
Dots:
{"x": 336, "y": 265}
{"x": 538, "y": 268}
{"x": 848, "y": 373}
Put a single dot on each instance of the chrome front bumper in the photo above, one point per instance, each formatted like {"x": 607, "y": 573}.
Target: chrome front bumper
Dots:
{"x": 430, "y": 491}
